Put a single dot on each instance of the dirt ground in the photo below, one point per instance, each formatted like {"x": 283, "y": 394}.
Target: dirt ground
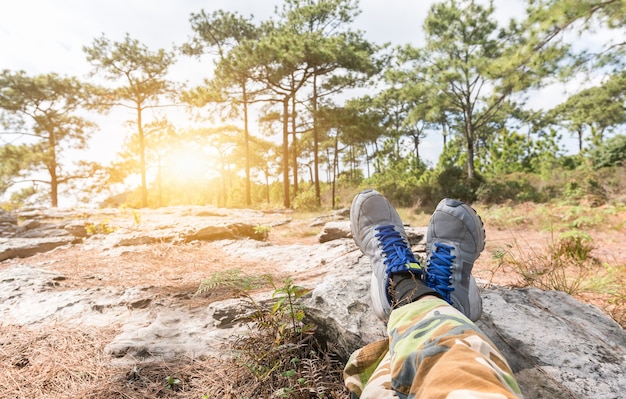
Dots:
{"x": 30, "y": 365}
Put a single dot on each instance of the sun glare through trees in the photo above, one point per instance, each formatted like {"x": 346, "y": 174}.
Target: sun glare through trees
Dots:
{"x": 300, "y": 109}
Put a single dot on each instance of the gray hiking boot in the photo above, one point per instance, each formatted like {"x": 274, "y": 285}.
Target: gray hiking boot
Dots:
{"x": 377, "y": 230}
{"x": 454, "y": 240}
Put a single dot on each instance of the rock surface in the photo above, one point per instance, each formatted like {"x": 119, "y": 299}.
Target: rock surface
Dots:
{"x": 557, "y": 346}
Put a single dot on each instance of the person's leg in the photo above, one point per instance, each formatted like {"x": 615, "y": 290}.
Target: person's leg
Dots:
{"x": 367, "y": 373}
{"x": 435, "y": 350}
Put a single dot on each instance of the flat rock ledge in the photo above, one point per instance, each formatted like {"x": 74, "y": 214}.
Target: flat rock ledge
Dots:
{"x": 557, "y": 346}
{"x": 38, "y": 230}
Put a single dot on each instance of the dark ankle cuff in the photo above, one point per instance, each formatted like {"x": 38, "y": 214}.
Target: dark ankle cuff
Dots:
{"x": 406, "y": 288}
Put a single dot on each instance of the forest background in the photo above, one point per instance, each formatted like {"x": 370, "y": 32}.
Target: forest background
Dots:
{"x": 300, "y": 109}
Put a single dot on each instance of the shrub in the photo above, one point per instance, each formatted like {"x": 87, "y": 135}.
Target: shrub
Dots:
{"x": 452, "y": 182}
{"x": 281, "y": 353}
{"x": 101, "y": 227}
{"x": 306, "y": 200}
{"x": 566, "y": 265}
{"x": 610, "y": 153}
{"x": 233, "y": 279}
{"x": 398, "y": 181}
{"x": 516, "y": 187}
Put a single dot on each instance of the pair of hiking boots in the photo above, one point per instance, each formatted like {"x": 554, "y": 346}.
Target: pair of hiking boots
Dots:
{"x": 454, "y": 240}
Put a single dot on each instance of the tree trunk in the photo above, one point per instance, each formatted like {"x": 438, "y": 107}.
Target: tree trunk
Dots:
{"x": 580, "y": 140}
{"x": 267, "y": 186}
{"x": 246, "y": 140}
{"x": 469, "y": 135}
{"x": 286, "y": 200}
{"x": 160, "y": 182}
{"x": 444, "y": 132}
{"x": 367, "y": 161}
{"x": 416, "y": 142}
{"x": 294, "y": 145}
{"x": 52, "y": 169}
{"x": 142, "y": 159}
{"x": 316, "y": 160}
{"x": 335, "y": 167}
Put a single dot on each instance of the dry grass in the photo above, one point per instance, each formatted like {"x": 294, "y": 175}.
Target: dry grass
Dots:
{"x": 60, "y": 361}
{"x": 573, "y": 248}
{"x": 63, "y": 362}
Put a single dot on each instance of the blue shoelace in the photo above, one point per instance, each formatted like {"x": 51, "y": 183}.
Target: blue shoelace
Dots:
{"x": 398, "y": 255}
{"x": 439, "y": 270}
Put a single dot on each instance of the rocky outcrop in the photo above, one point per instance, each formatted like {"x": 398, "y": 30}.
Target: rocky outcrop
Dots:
{"x": 335, "y": 230}
{"x": 557, "y": 346}
{"x": 8, "y": 223}
{"x": 45, "y": 229}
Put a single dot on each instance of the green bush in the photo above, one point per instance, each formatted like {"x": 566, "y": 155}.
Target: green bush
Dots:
{"x": 306, "y": 200}
{"x": 516, "y": 187}
{"x": 610, "y": 153}
{"x": 280, "y": 352}
{"x": 452, "y": 182}
{"x": 397, "y": 181}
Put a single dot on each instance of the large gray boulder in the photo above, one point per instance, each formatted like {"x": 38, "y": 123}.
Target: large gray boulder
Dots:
{"x": 557, "y": 346}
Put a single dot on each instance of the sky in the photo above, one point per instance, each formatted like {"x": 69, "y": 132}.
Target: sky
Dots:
{"x": 42, "y": 36}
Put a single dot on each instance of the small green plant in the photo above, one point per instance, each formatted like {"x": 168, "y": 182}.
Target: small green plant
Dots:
{"x": 575, "y": 245}
{"x": 280, "y": 351}
{"x": 136, "y": 216}
{"x": 232, "y": 278}
{"x": 262, "y": 231}
{"x": 172, "y": 383}
{"x": 102, "y": 227}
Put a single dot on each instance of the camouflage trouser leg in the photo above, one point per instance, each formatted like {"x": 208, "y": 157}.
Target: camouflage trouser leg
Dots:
{"x": 433, "y": 352}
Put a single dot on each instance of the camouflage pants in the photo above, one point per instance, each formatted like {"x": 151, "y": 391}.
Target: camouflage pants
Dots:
{"x": 433, "y": 351}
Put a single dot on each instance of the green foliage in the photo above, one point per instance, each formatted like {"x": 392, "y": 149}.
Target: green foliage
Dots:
{"x": 45, "y": 109}
{"x": 136, "y": 216}
{"x": 515, "y": 187}
{"x": 508, "y": 153}
{"x": 280, "y": 351}
{"x": 24, "y": 197}
{"x": 546, "y": 151}
{"x": 398, "y": 181}
{"x": 453, "y": 182}
{"x": 610, "y": 153}
{"x": 262, "y": 231}
{"x": 14, "y": 162}
{"x": 142, "y": 74}
{"x": 306, "y": 200}
{"x": 172, "y": 383}
{"x": 234, "y": 279}
{"x": 468, "y": 82}
{"x": 102, "y": 227}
